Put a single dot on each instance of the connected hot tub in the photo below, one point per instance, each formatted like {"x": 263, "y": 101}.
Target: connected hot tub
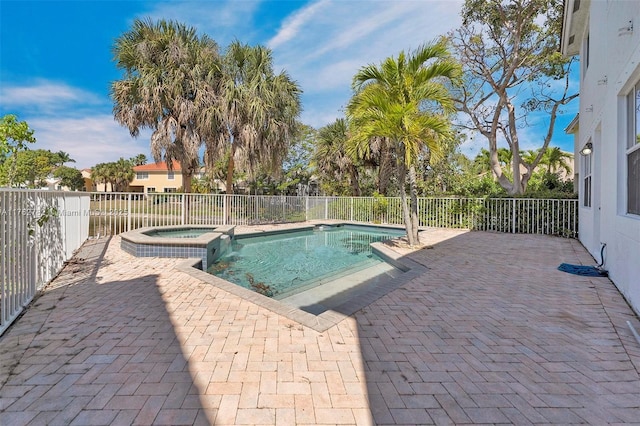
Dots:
{"x": 204, "y": 241}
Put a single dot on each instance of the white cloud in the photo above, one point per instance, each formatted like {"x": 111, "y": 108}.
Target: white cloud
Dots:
{"x": 323, "y": 44}
{"x": 70, "y": 119}
{"x": 88, "y": 140}
{"x": 344, "y": 36}
{"x": 45, "y": 94}
{"x": 292, "y": 25}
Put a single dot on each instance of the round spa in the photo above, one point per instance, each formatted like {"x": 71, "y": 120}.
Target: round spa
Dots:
{"x": 204, "y": 241}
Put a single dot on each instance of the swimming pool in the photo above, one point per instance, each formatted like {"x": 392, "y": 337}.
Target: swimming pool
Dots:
{"x": 282, "y": 264}
{"x": 203, "y": 241}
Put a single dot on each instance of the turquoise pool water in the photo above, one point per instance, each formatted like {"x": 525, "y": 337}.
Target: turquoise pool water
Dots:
{"x": 278, "y": 265}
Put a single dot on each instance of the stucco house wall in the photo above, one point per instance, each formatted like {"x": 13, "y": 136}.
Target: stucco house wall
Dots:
{"x": 156, "y": 177}
{"x": 603, "y": 34}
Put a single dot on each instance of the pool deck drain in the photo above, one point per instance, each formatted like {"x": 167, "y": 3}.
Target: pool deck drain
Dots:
{"x": 476, "y": 338}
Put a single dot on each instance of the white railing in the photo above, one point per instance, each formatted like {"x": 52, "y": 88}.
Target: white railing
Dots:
{"x": 39, "y": 231}
{"x": 113, "y": 213}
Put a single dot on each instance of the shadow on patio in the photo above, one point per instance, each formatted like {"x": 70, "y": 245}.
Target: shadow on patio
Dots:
{"x": 96, "y": 349}
{"x": 490, "y": 333}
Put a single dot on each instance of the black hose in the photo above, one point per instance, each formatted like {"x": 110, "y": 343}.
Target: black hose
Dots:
{"x": 602, "y": 255}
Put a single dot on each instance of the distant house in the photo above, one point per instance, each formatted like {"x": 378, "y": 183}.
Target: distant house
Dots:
{"x": 156, "y": 177}
{"x": 606, "y": 36}
{"x": 89, "y": 185}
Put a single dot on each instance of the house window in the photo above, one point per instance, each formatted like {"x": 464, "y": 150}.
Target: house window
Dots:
{"x": 151, "y": 189}
{"x": 585, "y": 54}
{"x": 171, "y": 176}
{"x": 170, "y": 190}
{"x": 586, "y": 180}
{"x": 142, "y": 175}
{"x": 632, "y": 151}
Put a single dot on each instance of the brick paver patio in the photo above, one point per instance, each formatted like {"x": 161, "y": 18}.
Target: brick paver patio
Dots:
{"x": 491, "y": 333}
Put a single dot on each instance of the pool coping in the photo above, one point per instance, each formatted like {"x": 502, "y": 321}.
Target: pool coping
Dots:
{"x": 331, "y": 317}
{"x": 139, "y": 236}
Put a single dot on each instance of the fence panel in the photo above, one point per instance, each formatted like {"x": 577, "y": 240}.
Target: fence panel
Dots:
{"x": 112, "y": 213}
{"x": 39, "y": 231}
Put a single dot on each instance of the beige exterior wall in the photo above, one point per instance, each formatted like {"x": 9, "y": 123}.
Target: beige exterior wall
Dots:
{"x": 88, "y": 182}
{"x": 156, "y": 181}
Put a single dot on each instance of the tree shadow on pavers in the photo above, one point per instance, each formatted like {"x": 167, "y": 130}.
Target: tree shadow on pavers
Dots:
{"x": 98, "y": 352}
{"x": 491, "y": 332}
{"x": 84, "y": 265}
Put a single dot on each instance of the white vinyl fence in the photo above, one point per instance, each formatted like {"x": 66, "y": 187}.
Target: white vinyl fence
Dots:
{"x": 112, "y": 213}
{"x": 39, "y": 231}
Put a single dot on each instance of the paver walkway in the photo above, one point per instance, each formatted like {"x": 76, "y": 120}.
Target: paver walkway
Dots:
{"x": 491, "y": 333}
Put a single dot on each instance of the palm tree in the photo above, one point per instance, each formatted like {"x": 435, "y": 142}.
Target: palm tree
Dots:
{"x": 405, "y": 99}
{"x": 100, "y": 174}
{"x": 111, "y": 176}
{"x": 62, "y": 158}
{"x": 382, "y": 149}
{"x": 139, "y": 160}
{"x": 331, "y": 157}
{"x": 122, "y": 174}
{"x": 528, "y": 156}
{"x": 258, "y": 111}
{"x": 170, "y": 79}
{"x": 505, "y": 157}
{"x": 482, "y": 161}
{"x": 556, "y": 159}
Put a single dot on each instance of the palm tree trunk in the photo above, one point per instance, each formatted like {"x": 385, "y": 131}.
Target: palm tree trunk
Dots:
{"x": 186, "y": 181}
{"x": 408, "y": 224}
{"x": 230, "y": 166}
{"x": 385, "y": 169}
{"x": 355, "y": 185}
{"x": 186, "y": 189}
{"x": 229, "y": 189}
{"x": 413, "y": 190}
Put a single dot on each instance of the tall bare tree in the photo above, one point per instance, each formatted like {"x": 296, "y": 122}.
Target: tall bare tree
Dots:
{"x": 512, "y": 70}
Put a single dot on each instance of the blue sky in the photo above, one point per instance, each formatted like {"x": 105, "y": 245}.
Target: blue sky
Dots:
{"x": 56, "y": 61}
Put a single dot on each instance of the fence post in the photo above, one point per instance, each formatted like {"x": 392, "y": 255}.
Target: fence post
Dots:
{"x": 284, "y": 207}
{"x": 63, "y": 222}
{"x": 306, "y": 208}
{"x": 224, "y": 209}
{"x": 326, "y": 208}
{"x": 513, "y": 216}
{"x": 351, "y": 215}
{"x": 128, "y": 212}
{"x": 184, "y": 210}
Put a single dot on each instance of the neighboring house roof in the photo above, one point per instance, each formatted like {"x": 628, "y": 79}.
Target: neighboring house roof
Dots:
{"x": 157, "y": 167}
{"x": 573, "y": 126}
